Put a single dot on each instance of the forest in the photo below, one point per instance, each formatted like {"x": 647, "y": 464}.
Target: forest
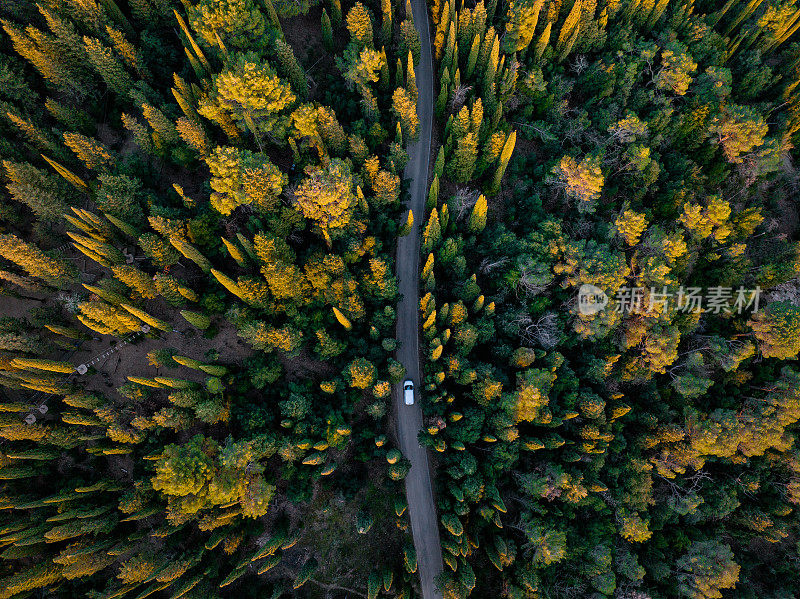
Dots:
{"x": 200, "y": 208}
{"x": 643, "y": 150}
{"x": 187, "y": 216}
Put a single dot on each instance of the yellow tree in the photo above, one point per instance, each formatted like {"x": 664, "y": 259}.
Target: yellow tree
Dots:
{"x": 630, "y": 225}
{"x": 582, "y": 181}
{"x": 778, "y": 330}
{"x": 238, "y": 23}
{"x": 738, "y": 130}
{"x": 250, "y": 92}
{"x": 37, "y": 263}
{"x": 326, "y": 197}
{"x": 505, "y": 157}
{"x": 406, "y": 111}
{"x": 91, "y": 152}
{"x": 240, "y": 177}
{"x": 360, "y": 373}
{"x": 359, "y": 24}
{"x": 522, "y": 18}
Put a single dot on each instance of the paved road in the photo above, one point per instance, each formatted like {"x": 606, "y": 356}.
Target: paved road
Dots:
{"x": 424, "y": 523}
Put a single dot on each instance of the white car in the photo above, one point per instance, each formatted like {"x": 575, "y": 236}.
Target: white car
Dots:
{"x": 408, "y": 392}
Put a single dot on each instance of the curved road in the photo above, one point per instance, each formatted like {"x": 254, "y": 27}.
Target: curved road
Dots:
{"x": 422, "y": 511}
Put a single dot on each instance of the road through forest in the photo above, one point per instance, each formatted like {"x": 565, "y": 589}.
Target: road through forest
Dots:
{"x": 419, "y": 491}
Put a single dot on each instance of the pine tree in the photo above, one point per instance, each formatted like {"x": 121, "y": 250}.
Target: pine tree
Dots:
{"x": 331, "y": 130}
{"x": 240, "y": 25}
{"x": 479, "y": 17}
{"x": 185, "y": 97}
{"x": 147, "y": 318}
{"x": 570, "y": 26}
{"x": 292, "y": 69}
{"x": 91, "y": 152}
{"x": 168, "y": 287}
{"x": 359, "y": 24}
{"x": 140, "y": 133}
{"x": 129, "y": 230}
{"x": 386, "y": 21}
{"x": 707, "y": 567}
{"x": 522, "y": 18}
{"x": 128, "y": 52}
{"x": 191, "y": 252}
{"x": 234, "y": 251}
{"x": 241, "y": 176}
{"x": 472, "y": 60}
{"x": 326, "y": 196}
{"x": 38, "y": 576}
{"x": 47, "y": 365}
{"x": 505, "y": 157}
{"x": 57, "y": 60}
{"x": 327, "y": 31}
{"x": 386, "y": 188}
{"x": 36, "y": 263}
{"x": 164, "y": 132}
{"x": 106, "y": 319}
{"x": 336, "y": 12}
{"x": 433, "y": 194}
{"x": 360, "y": 373}
{"x": 193, "y": 133}
{"x": 433, "y": 232}
{"x": 487, "y": 44}
{"x": 630, "y": 225}
{"x": 120, "y": 195}
{"x": 465, "y": 28}
{"x": 343, "y": 320}
{"x": 438, "y": 166}
{"x": 38, "y": 138}
{"x": 384, "y": 77}
{"x": 444, "y": 216}
{"x": 196, "y": 319}
{"x": 103, "y": 253}
{"x": 70, "y": 117}
{"x": 110, "y": 69}
{"x": 406, "y": 111}
{"x": 229, "y": 284}
{"x": 407, "y": 226}
{"x": 442, "y": 29}
{"x": 68, "y": 332}
{"x": 399, "y": 77}
{"x": 427, "y": 270}
{"x": 40, "y": 191}
{"x": 22, "y": 281}
{"x": 490, "y": 73}
{"x": 115, "y": 299}
{"x": 67, "y": 174}
{"x": 449, "y": 53}
{"x": 462, "y": 164}
{"x": 250, "y": 92}
{"x": 776, "y": 329}
{"x": 441, "y": 100}
{"x": 273, "y": 16}
{"x": 582, "y": 181}
{"x": 477, "y": 218}
{"x": 409, "y": 39}
{"x": 137, "y": 280}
